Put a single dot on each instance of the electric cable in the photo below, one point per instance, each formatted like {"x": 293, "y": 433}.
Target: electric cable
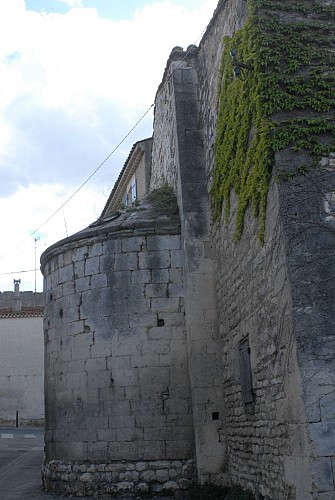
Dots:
{"x": 104, "y": 161}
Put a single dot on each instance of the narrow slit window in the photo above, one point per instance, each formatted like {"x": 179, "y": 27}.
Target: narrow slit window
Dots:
{"x": 245, "y": 372}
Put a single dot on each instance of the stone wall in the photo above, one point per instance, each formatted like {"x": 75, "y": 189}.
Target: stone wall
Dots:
{"x": 268, "y": 445}
{"x": 28, "y": 299}
{"x": 117, "y": 385}
{"x": 237, "y": 354}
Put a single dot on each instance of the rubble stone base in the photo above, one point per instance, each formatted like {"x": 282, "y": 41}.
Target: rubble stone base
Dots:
{"x": 78, "y": 478}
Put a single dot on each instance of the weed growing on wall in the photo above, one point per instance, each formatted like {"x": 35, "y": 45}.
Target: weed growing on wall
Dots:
{"x": 285, "y": 100}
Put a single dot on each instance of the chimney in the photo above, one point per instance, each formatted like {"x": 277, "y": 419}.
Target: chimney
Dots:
{"x": 16, "y": 301}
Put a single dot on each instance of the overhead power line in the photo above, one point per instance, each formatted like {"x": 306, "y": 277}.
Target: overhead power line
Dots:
{"x": 61, "y": 207}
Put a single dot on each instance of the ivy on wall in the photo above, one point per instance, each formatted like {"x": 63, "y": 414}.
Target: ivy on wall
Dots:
{"x": 285, "y": 100}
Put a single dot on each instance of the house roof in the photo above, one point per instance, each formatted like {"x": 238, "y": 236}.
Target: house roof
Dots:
{"x": 26, "y": 312}
{"x": 134, "y": 157}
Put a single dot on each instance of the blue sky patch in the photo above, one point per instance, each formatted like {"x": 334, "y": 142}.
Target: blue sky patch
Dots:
{"x": 110, "y": 9}
{"x": 47, "y": 6}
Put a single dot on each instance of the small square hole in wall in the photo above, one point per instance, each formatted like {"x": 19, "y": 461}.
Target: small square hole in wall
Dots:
{"x": 215, "y": 415}
{"x": 160, "y": 322}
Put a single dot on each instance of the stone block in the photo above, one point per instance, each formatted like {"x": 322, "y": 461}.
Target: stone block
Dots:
{"x": 92, "y": 266}
{"x": 131, "y": 303}
{"x": 165, "y": 242}
{"x": 123, "y": 451}
{"x": 94, "y": 301}
{"x": 170, "y": 486}
{"x": 157, "y": 333}
{"x": 76, "y": 381}
{"x": 116, "y": 421}
{"x": 100, "y": 350}
{"x": 158, "y": 376}
{"x": 156, "y": 290}
{"x": 65, "y": 356}
{"x": 98, "y": 379}
{"x": 146, "y": 319}
{"x": 66, "y": 273}
{"x": 116, "y": 363}
{"x": 322, "y": 474}
{"x": 97, "y": 450}
{"x": 154, "y": 347}
{"x": 129, "y": 434}
{"x": 142, "y": 488}
{"x": 126, "y": 346}
{"x": 96, "y": 249}
{"x": 111, "y": 246}
{"x": 176, "y": 275}
{"x": 78, "y": 254}
{"x": 141, "y": 466}
{"x": 148, "y": 475}
{"x": 154, "y": 260}
{"x": 120, "y": 279}
{"x": 83, "y": 340}
{"x": 329, "y": 495}
{"x": 106, "y": 435}
{"x": 116, "y": 322}
{"x": 125, "y": 377}
{"x": 96, "y": 364}
{"x": 144, "y": 360}
{"x": 327, "y": 406}
{"x": 323, "y": 438}
{"x": 159, "y": 433}
{"x": 140, "y": 277}
{"x": 153, "y": 450}
{"x": 133, "y": 244}
{"x": 176, "y": 258}
{"x": 150, "y": 408}
{"x": 162, "y": 305}
{"x": 76, "y": 366}
{"x": 71, "y": 450}
{"x": 126, "y": 261}
{"x": 159, "y": 276}
{"x": 68, "y": 287}
{"x": 179, "y": 449}
{"x": 84, "y": 395}
{"x": 99, "y": 281}
{"x": 176, "y": 406}
{"x": 174, "y": 319}
{"x": 162, "y": 475}
{"x": 175, "y": 290}
{"x": 82, "y": 284}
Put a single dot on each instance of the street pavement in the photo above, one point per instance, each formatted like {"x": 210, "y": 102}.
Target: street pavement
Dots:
{"x": 21, "y": 456}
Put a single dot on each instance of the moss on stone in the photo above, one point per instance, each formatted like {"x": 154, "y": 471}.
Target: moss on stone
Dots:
{"x": 285, "y": 100}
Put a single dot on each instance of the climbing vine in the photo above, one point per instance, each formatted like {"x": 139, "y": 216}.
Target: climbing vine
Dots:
{"x": 285, "y": 99}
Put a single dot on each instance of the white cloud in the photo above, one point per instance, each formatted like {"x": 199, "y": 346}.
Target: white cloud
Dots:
{"x": 72, "y": 86}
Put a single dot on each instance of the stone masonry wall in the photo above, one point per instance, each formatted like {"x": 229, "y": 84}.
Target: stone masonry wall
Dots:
{"x": 264, "y": 445}
{"x": 254, "y": 302}
{"x": 227, "y": 19}
{"x": 118, "y": 394}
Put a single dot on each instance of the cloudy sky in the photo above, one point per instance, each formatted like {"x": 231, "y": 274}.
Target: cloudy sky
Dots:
{"x": 75, "y": 76}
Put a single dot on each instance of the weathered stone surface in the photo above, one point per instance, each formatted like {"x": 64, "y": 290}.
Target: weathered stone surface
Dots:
{"x": 152, "y": 317}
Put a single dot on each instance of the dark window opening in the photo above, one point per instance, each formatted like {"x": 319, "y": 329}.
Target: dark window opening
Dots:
{"x": 215, "y": 415}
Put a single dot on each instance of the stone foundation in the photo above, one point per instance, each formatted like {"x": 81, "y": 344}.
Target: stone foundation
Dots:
{"x": 81, "y": 478}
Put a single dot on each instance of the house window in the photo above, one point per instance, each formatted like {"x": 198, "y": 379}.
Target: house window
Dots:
{"x": 133, "y": 190}
{"x": 125, "y": 200}
{"x": 245, "y": 372}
